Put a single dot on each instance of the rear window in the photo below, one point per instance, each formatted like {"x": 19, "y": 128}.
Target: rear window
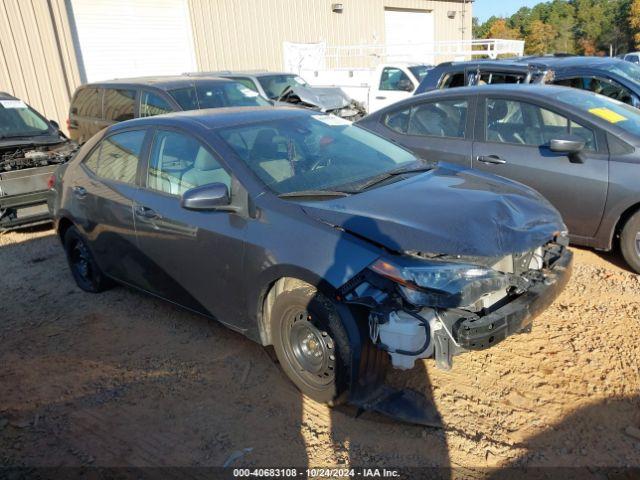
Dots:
{"x": 119, "y": 104}
{"x": 88, "y": 103}
{"x": 217, "y": 95}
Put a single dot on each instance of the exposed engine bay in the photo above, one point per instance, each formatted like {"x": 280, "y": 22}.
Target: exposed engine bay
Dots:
{"x": 36, "y": 156}
{"x": 446, "y": 306}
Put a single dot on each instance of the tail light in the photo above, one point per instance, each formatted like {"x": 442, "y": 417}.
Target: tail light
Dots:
{"x": 51, "y": 182}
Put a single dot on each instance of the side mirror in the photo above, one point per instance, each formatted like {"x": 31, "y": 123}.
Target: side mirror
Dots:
{"x": 570, "y": 145}
{"x": 214, "y": 196}
{"x": 55, "y": 124}
{"x": 405, "y": 85}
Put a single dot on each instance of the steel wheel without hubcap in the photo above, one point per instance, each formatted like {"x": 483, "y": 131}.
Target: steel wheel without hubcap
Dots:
{"x": 310, "y": 350}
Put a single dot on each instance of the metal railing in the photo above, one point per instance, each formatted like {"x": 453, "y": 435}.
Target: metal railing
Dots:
{"x": 369, "y": 56}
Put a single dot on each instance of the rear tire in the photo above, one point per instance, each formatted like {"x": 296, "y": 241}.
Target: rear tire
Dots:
{"x": 630, "y": 242}
{"x": 311, "y": 344}
{"x": 84, "y": 268}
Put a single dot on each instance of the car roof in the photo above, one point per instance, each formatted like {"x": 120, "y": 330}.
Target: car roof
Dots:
{"x": 245, "y": 73}
{"x": 505, "y": 88}
{"x": 214, "y": 118}
{"x": 7, "y": 96}
{"x": 167, "y": 82}
{"x": 555, "y": 62}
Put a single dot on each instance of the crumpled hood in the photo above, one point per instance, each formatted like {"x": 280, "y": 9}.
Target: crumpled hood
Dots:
{"x": 447, "y": 211}
{"x": 325, "y": 98}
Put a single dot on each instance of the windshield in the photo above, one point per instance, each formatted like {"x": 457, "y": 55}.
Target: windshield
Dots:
{"x": 18, "y": 120}
{"x": 605, "y": 108}
{"x": 274, "y": 85}
{"x": 313, "y": 153}
{"x": 628, "y": 70}
{"x": 217, "y": 95}
{"x": 420, "y": 71}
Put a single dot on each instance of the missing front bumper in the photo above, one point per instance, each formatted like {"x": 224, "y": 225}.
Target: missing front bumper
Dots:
{"x": 479, "y": 333}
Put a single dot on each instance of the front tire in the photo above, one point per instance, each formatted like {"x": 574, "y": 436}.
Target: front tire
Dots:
{"x": 311, "y": 344}
{"x": 630, "y": 242}
{"x": 84, "y": 268}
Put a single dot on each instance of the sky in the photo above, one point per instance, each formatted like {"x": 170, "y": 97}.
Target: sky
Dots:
{"x": 483, "y": 9}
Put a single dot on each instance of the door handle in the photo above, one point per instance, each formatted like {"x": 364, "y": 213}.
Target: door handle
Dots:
{"x": 79, "y": 192}
{"x": 381, "y": 98}
{"x": 492, "y": 159}
{"x": 146, "y": 213}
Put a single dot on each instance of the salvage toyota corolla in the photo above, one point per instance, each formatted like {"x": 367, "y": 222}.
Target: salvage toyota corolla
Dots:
{"x": 338, "y": 248}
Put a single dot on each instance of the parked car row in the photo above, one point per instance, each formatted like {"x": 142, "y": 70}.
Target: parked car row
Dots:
{"x": 435, "y": 226}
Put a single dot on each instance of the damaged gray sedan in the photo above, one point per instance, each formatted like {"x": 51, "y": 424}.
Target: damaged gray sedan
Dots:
{"x": 314, "y": 236}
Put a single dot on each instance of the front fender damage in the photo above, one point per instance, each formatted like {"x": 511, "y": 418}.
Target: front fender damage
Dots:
{"x": 399, "y": 333}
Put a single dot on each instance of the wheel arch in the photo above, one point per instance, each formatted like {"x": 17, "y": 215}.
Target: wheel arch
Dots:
{"x": 622, "y": 221}
{"x": 63, "y": 225}
{"x": 280, "y": 280}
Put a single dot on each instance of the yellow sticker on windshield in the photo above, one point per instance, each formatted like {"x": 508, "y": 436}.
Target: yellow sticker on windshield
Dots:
{"x": 608, "y": 115}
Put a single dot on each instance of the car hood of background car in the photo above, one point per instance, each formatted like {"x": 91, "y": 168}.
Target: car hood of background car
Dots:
{"x": 326, "y": 98}
{"x": 446, "y": 211}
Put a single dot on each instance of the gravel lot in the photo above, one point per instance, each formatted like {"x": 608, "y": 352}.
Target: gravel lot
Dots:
{"x": 122, "y": 379}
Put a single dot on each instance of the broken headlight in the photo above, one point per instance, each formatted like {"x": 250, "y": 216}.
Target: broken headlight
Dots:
{"x": 443, "y": 284}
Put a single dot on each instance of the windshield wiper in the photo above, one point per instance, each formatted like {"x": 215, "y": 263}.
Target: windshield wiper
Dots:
{"x": 313, "y": 194}
{"x": 393, "y": 173}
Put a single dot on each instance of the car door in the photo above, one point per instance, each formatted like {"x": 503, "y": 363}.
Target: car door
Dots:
{"x": 394, "y": 85}
{"x": 513, "y": 138}
{"x": 102, "y": 192}
{"x": 439, "y": 130}
{"x": 193, "y": 258}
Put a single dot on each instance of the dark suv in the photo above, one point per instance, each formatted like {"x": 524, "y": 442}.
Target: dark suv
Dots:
{"x": 98, "y": 105}
{"x": 612, "y": 77}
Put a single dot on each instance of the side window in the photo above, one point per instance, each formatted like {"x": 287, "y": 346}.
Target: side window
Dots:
{"x": 599, "y": 85}
{"x": 88, "y": 103}
{"x": 395, "y": 79}
{"x": 119, "y": 104}
{"x": 526, "y": 124}
{"x": 436, "y": 119}
{"x": 398, "y": 121}
{"x": 247, "y": 82}
{"x": 495, "y": 78}
{"x": 152, "y": 104}
{"x": 453, "y": 80}
{"x": 91, "y": 161}
{"x": 178, "y": 162}
{"x": 120, "y": 155}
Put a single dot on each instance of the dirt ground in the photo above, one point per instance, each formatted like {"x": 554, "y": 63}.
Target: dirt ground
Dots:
{"x": 123, "y": 379}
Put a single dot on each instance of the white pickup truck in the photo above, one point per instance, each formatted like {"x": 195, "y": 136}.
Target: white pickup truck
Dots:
{"x": 375, "y": 89}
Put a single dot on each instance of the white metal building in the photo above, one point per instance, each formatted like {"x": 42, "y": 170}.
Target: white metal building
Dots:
{"x": 49, "y": 47}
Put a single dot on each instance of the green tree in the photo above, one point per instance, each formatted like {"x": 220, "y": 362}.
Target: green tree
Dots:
{"x": 500, "y": 29}
{"x": 634, "y": 23}
{"x": 539, "y": 38}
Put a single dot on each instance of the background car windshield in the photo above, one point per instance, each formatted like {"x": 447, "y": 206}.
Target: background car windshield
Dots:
{"x": 628, "y": 70}
{"x": 18, "y": 120}
{"x": 419, "y": 71}
{"x": 217, "y": 95}
{"x": 614, "y": 112}
{"x": 274, "y": 85}
{"x": 316, "y": 152}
